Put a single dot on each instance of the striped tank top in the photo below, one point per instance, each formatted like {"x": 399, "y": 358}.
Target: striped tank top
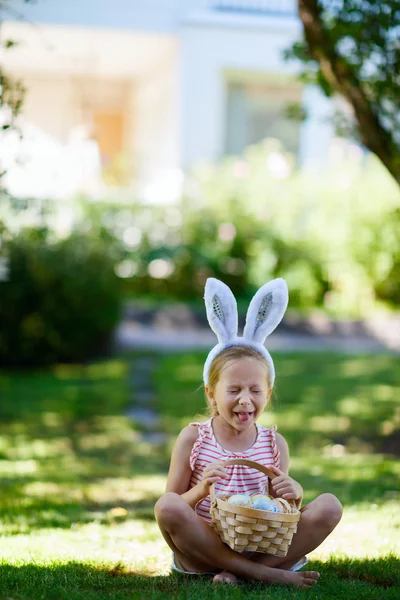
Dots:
{"x": 240, "y": 479}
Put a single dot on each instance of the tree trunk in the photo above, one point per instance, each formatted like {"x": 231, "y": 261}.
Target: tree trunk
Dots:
{"x": 343, "y": 79}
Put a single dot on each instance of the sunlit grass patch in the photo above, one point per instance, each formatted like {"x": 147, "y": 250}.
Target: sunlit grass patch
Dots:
{"x": 319, "y": 398}
{"x": 365, "y": 531}
{"x": 131, "y": 561}
{"x": 79, "y": 480}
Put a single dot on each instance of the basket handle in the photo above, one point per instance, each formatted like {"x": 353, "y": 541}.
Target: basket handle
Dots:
{"x": 247, "y": 463}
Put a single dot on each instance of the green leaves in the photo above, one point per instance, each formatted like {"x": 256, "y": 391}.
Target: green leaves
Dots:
{"x": 61, "y": 300}
{"x": 350, "y": 47}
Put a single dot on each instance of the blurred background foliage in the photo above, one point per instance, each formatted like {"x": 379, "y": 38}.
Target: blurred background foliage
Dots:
{"x": 61, "y": 300}
{"x": 334, "y": 236}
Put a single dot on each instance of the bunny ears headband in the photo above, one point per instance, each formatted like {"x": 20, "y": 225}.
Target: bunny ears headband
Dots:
{"x": 264, "y": 314}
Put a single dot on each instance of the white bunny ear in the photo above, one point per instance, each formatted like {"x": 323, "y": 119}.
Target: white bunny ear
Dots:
{"x": 221, "y": 310}
{"x": 266, "y": 310}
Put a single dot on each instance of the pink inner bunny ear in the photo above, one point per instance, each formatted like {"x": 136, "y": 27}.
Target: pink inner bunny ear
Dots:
{"x": 263, "y": 311}
{"x": 217, "y": 308}
{"x": 266, "y": 310}
{"x": 221, "y": 310}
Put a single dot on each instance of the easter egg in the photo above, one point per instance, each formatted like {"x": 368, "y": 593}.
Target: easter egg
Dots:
{"x": 240, "y": 500}
{"x": 264, "y": 504}
{"x": 258, "y": 496}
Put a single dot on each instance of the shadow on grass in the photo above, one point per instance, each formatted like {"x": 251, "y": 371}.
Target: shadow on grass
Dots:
{"x": 85, "y": 484}
{"x": 345, "y": 579}
{"x": 44, "y": 500}
{"x": 353, "y": 489}
{"x": 43, "y": 514}
{"x": 23, "y": 512}
{"x": 319, "y": 399}
{"x": 68, "y": 455}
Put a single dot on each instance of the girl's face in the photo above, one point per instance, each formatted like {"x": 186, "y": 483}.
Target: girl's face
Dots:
{"x": 241, "y": 393}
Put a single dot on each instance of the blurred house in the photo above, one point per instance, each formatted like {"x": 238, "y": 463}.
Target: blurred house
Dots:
{"x": 124, "y": 93}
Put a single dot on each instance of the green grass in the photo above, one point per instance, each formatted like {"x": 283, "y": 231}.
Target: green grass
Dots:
{"x": 78, "y": 479}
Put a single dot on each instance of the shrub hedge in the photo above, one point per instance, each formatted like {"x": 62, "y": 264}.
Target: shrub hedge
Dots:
{"x": 60, "y": 302}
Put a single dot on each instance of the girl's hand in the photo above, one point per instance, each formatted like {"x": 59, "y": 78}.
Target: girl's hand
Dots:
{"x": 284, "y": 486}
{"x": 212, "y": 473}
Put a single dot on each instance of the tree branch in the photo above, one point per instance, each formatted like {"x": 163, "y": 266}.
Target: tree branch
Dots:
{"x": 342, "y": 77}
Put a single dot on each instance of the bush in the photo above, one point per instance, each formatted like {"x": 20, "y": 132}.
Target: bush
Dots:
{"x": 61, "y": 301}
{"x": 333, "y": 235}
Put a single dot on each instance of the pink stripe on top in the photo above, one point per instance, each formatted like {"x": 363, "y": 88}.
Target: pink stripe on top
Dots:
{"x": 240, "y": 479}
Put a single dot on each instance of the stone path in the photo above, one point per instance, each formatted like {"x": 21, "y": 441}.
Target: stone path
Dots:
{"x": 142, "y": 410}
{"x": 178, "y": 327}
{"x": 169, "y": 334}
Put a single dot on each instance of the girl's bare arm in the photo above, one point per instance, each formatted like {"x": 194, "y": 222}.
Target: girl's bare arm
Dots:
{"x": 180, "y": 472}
{"x": 283, "y": 453}
{"x": 284, "y": 464}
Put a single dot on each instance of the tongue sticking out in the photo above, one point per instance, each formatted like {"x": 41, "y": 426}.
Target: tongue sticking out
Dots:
{"x": 243, "y": 416}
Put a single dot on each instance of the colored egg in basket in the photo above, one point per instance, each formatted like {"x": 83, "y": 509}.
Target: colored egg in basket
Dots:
{"x": 240, "y": 500}
{"x": 264, "y": 504}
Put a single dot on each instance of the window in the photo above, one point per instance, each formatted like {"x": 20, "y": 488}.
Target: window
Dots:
{"x": 109, "y": 128}
{"x": 256, "y": 111}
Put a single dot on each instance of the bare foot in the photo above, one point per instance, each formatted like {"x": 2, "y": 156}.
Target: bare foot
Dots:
{"x": 298, "y": 579}
{"x": 225, "y": 577}
{"x": 301, "y": 579}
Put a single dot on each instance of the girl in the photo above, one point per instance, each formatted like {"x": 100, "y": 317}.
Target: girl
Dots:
{"x": 238, "y": 376}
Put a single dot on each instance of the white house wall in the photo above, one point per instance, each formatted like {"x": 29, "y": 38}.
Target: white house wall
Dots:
{"x": 161, "y": 16}
{"x": 156, "y": 109}
{"x": 208, "y": 53}
{"x": 50, "y": 103}
{"x": 318, "y": 131}
{"x": 174, "y": 57}
{"x": 70, "y": 72}
{"x": 216, "y": 46}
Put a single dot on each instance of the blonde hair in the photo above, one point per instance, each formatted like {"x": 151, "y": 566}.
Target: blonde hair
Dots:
{"x": 221, "y": 361}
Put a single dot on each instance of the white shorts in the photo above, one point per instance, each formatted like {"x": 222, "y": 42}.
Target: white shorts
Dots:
{"x": 299, "y": 565}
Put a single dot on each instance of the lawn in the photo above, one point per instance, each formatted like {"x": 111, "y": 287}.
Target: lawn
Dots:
{"x": 79, "y": 479}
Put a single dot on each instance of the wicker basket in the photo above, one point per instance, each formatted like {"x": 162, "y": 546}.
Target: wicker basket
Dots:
{"x": 251, "y": 530}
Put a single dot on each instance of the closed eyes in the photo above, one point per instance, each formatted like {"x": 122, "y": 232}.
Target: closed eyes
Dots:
{"x": 237, "y": 391}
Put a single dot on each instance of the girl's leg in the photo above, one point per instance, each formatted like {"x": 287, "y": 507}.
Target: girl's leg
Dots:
{"x": 199, "y": 548}
{"x": 317, "y": 521}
